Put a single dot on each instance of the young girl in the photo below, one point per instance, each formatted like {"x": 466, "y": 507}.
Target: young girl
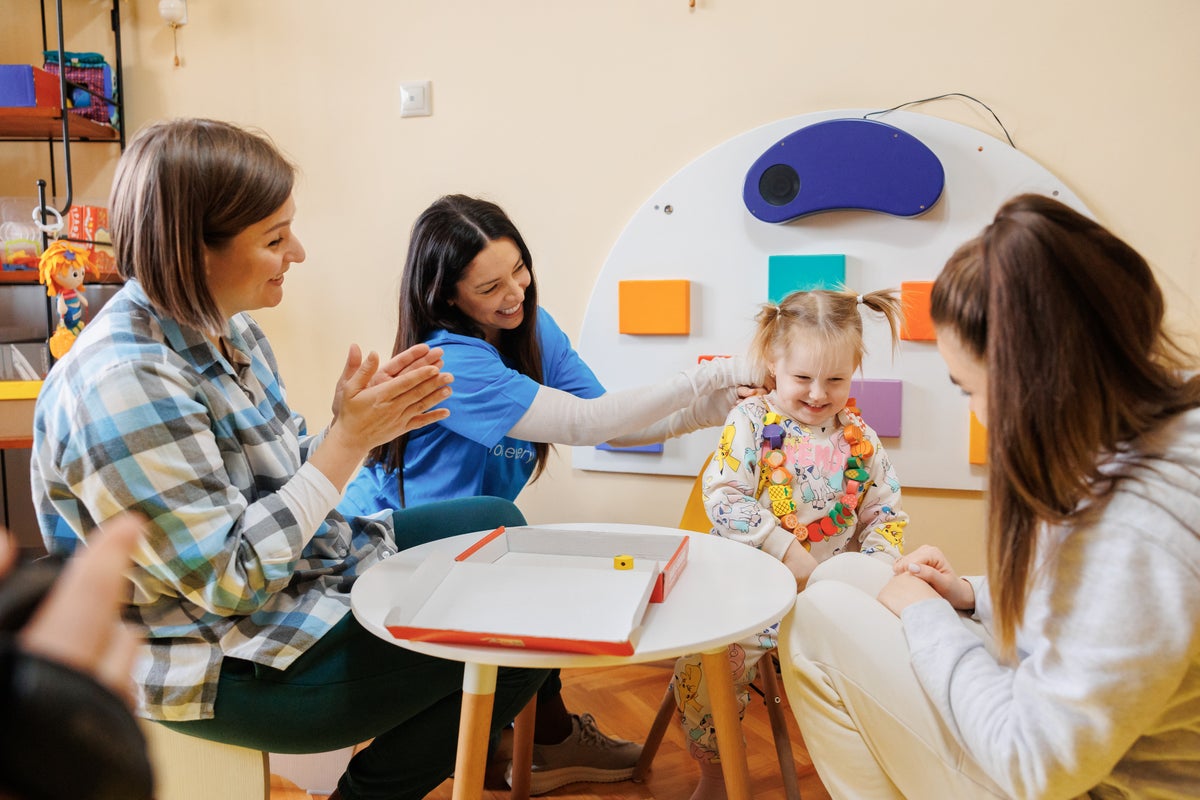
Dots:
{"x": 797, "y": 474}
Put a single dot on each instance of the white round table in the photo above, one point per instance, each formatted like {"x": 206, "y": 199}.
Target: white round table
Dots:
{"x": 727, "y": 592}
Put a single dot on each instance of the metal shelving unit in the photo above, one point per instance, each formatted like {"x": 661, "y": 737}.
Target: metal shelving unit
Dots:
{"x": 61, "y": 129}
{"x": 59, "y": 125}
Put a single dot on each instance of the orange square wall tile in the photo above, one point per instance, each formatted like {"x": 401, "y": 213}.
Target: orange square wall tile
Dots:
{"x": 654, "y": 307}
{"x": 977, "y": 446}
{"x": 916, "y": 325}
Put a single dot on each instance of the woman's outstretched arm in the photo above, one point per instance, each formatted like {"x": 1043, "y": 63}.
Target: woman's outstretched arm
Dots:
{"x": 562, "y": 418}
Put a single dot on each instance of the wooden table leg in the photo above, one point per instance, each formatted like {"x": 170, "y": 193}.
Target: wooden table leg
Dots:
{"x": 479, "y": 694}
{"x": 726, "y": 720}
{"x": 522, "y": 757}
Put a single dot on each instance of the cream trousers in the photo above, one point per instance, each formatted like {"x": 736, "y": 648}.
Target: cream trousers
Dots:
{"x": 869, "y": 727}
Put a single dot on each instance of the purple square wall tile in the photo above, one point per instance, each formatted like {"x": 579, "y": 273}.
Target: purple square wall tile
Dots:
{"x": 879, "y": 400}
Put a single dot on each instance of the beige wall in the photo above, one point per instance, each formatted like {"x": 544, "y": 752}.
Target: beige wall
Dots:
{"x": 570, "y": 113}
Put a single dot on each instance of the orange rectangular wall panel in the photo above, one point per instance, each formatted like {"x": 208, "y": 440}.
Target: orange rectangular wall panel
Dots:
{"x": 654, "y": 308}
{"x": 916, "y": 325}
{"x": 977, "y": 446}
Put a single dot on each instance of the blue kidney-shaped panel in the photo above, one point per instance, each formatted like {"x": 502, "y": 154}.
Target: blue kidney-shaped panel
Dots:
{"x": 844, "y": 164}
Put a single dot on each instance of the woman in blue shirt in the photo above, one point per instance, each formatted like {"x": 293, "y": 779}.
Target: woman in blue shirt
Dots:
{"x": 468, "y": 288}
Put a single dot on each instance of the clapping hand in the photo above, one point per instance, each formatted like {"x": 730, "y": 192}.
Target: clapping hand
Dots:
{"x": 418, "y": 356}
{"x": 375, "y": 403}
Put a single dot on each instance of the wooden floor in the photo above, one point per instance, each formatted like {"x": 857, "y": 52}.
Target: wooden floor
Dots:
{"x": 624, "y": 701}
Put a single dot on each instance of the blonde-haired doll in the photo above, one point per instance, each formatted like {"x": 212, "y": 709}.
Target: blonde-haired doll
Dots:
{"x": 63, "y": 268}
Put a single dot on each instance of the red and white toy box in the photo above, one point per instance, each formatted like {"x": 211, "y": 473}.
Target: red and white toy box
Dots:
{"x": 573, "y": 591}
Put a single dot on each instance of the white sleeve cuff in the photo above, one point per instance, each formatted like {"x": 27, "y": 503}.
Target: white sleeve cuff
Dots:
{"x": 309, "y": 495}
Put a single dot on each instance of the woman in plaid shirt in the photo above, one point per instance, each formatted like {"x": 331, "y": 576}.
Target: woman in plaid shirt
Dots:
{"x": 170, "y": 404}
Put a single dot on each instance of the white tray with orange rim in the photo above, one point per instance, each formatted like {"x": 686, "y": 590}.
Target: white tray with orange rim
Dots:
{"x": 530, "y": 587}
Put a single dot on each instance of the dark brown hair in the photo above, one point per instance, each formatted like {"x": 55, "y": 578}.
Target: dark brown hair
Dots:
{"x": 1068, "y": 319}
{"x": 445, "y": 239}
{"x": 182, "y": 186}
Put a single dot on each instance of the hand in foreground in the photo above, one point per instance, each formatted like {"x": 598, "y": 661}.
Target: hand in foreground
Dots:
{"x": 79, "y": 622}
{"x": 922, "y": 574}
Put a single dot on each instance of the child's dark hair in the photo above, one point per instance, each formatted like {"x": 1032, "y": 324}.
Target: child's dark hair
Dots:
{"x": 830, "y": 315}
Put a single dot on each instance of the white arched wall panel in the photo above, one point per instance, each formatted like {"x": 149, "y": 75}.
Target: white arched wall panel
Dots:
{"x": 697, "y": 227}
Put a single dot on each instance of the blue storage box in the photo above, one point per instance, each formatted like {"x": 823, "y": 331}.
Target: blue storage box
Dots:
{"x": 26, "y": 86}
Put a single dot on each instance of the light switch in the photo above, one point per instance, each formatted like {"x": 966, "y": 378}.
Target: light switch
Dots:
{"x": 415, "y": 100}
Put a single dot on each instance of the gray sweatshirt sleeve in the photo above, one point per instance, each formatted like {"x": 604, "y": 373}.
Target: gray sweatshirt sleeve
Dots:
{"x": 1107, "y": 657}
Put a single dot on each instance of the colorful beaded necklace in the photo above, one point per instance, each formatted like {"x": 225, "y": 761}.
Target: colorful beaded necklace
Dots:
{"x": 777, "y": 478}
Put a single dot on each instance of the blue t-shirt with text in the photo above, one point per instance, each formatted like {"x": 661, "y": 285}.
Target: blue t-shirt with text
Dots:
{"x": 468, "y": 454}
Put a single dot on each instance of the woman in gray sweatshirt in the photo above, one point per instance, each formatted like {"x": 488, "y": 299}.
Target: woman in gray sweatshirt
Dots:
{"x": 1073, "y": 667}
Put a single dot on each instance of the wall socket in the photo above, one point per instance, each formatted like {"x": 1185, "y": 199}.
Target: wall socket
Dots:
{"x": 416, "y": 99}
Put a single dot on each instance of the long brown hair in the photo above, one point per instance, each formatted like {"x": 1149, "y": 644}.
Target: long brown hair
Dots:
{"x": 1068, "y": 319}
{"x": 445, "y": 239}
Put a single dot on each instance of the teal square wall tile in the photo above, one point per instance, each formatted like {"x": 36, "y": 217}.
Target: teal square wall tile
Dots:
{"x": 795, "y": 273}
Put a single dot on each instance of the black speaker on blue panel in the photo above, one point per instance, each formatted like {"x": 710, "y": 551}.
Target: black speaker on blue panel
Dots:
{"x": 844, "y": 164}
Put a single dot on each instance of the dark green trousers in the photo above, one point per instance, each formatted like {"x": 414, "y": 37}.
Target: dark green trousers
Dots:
{"x": 352, "y": 686}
